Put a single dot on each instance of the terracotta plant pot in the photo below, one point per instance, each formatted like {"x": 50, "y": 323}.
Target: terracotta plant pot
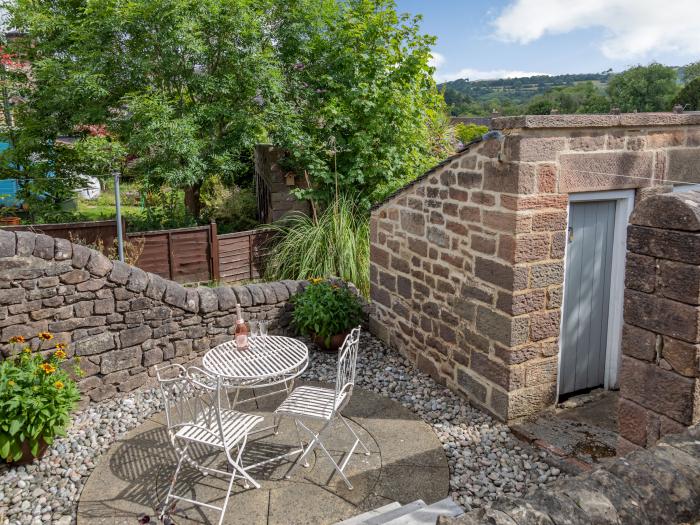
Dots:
{"x": 10, "y": 221}
{"x": 27, "y": 456}
{"x": 336, "y": 342}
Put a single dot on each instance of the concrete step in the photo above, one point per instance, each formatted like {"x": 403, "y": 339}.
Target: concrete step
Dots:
{"x": 360, "y": 518}
{"x": 387, "y": 517}
{"x": 428, "y": 515}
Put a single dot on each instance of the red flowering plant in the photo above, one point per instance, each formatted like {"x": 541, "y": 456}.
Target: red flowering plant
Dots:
{"x": 37, "y": 396}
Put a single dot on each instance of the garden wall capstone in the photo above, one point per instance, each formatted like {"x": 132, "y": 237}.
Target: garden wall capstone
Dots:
{"x": 660, "y": 369}
{"x": 119, "y": 320}
{"x": 467, "y": 261}
{"x": 648, "y": 487}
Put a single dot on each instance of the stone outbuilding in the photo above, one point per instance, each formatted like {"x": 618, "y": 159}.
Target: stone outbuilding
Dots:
{"x": 501, "y": 271}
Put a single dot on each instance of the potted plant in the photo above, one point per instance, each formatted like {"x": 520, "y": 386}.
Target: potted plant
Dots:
{"x": 36, "y": 399}
{"x": 327, "y": 311}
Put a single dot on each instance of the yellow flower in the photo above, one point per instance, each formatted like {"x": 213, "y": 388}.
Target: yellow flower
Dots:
{"x": 61, "y": 346}
{"x": 48, "y": 368}
{"x": 17, "y": 339}
{"x": 10, "y": 383}
{"x": 58, "y": 385}
{"x": 315, "y": 280}
{"x": 45, "y": 336}
{"x": 59, "y": 354}
{"x": 27, "y": 350}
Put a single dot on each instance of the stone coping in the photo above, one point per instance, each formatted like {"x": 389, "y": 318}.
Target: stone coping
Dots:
{"x": 597, "y": 121}
{"x": 406, "y": 463}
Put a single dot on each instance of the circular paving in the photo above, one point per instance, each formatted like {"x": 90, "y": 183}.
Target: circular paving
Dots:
{"x": 406, "y": 463}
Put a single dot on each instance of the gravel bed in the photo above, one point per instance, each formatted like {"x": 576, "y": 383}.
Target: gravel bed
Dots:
{"x": 485, "y": 460}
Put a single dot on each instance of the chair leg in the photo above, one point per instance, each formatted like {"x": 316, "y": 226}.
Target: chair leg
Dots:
{"x": 237, "y": 466}
{"x": 357, "y": 439}
{"x": 301, "y": 442}
{"x": 228, "y": 495}
{"x": 183, "y": 456}
{"x": 309, "y": 448}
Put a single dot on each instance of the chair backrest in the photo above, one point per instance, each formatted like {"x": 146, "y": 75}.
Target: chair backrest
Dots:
{"x": 347, "y": 364}
{"x": 185, "y": 403}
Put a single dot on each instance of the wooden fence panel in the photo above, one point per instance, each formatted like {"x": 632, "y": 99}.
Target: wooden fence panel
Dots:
{"x": 184, "y": 255}
{"x": 241, "y": 255}
{"x": 83, "y": 232}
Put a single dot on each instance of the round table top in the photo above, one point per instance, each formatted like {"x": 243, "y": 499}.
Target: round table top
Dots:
{"x": 266, "y": 357}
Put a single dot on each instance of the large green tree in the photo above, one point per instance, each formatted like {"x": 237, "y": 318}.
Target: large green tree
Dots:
{"x": 361, "y": 113}
{"x": 178, "y": 82}
{"x": 644, "y": 88}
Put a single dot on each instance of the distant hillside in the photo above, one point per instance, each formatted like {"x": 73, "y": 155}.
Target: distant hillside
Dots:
{"x": 474, "y": 97}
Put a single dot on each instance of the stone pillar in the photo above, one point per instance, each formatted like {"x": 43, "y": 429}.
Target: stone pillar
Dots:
{"x": 659, "y": 385}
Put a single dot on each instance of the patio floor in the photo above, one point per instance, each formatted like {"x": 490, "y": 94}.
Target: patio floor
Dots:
{"x": 407, "y": 462}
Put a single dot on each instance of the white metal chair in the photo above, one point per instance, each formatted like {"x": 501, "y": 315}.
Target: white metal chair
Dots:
{"x": 326, "y": 404}
{"x": 195, "y": 416}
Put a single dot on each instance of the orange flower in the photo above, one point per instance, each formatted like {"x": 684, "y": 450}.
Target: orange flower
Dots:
{"x": 59, "y": 385}
{"x": 45, "y": 336}
{"x": 48, "y": 368}
{"x": 17, "y": 339}
{"x": 59, "y": 354}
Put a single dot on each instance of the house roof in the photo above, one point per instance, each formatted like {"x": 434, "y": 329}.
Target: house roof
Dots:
{"x": 427, "y": 174}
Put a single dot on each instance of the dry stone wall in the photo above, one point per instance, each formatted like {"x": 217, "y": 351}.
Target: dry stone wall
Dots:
{"x": 119, "y": 320}
{"x": 467, "y": 262}
{"x": 659, "y": 385}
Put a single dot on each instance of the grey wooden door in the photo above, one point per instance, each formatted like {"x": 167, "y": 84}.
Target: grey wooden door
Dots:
{"x": 586, "y": 295}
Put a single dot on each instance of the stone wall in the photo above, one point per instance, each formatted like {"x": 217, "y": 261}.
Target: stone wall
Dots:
{"x": 120, "y": 320}
{"x": 659, "y": 385}
{"x": 275, "y": 199}
{"x": 467, "y": 262}
{"x": 649, "y": 487}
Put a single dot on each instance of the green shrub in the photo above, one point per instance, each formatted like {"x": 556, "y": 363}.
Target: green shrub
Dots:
{"x": 326, "y": 308}
{"x": 466, "y": 133}
{"x": 36, "y": 399}
{"x": 336, "y": 244}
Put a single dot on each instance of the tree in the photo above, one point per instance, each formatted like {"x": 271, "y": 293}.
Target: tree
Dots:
{"x": 178, "y": 82}
{"x": 689, "y": 96}
{"x": 644, "y": 88}
{"x": 691, "y": 72}
{"x": 584, "y": 97}
{"x": 361, "y": 112}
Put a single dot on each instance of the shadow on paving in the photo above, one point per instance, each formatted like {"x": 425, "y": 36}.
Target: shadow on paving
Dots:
{"x": 406, "y": 463}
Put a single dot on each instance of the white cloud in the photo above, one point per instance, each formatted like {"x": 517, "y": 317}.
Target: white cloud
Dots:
{"x": 634, "y": 28}
{"x": 436, "y": 60}
{"x": 476, "y": 74}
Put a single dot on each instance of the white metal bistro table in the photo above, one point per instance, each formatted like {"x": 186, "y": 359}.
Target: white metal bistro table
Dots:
{"x": 268, "y": 361}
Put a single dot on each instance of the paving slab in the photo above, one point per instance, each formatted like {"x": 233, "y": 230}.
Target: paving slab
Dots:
{"x": 406, "y": 463}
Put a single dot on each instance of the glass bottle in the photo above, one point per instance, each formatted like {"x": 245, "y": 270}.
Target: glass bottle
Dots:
{"x": 241, "y": 332}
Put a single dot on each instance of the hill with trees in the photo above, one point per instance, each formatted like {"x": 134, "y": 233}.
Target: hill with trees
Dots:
{"x": 654, "y": 87}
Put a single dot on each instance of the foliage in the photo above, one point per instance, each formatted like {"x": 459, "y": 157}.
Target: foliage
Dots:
{"x": 467, "y": 133}
{"x": 360, "y": 103}
{"x": 509, "y": 96}
{"x": 691, "y": 72}
{"x": 234, "y": 209}
{"x": 643, "y": 88}
{"x": 337, "y": 244}
{"x": 175, "y": 82}
{"x": 325, "y": 309}
{"x": 36, "y": 398}
{"x": 689, "y": 96}
{"x": 580, "y": 98}
{"x": 163, "y": 209}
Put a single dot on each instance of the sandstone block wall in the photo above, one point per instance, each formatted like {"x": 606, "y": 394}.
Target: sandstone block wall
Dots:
{"x": 120, "y": 320}
{"x": 467, "y": 262}
{"x": 659, "y": 385}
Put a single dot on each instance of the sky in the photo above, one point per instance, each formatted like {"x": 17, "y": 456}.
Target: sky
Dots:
{"x": 510, "y": 38}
